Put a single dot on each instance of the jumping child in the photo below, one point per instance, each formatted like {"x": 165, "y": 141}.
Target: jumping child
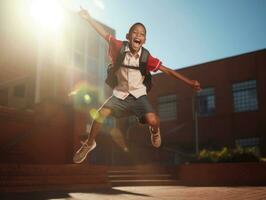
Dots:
{"x": 131, "y": 80}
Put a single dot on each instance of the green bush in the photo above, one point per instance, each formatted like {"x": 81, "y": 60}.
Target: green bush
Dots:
{"x": 239, "y": 154}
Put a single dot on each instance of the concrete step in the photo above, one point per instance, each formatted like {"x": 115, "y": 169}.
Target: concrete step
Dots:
{"x": 119, "y": 172}
{"x": 117, "y": 183}
{"x": 50, "y": 180}
{"x": 142, "y": 176}
{"x": 142, "y": 168}
{"x": 53, "y": 188}
{"x": 50, "y": 170}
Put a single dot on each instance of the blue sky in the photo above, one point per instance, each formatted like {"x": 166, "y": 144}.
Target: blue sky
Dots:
{"x": 182, "y": 33}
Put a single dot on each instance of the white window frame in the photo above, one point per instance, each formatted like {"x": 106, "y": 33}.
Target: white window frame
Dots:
{"x": 167, "y": 107}
{"x": 245, "y": 96}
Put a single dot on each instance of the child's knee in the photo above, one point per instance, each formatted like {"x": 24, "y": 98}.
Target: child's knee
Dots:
{"x": 101, "y": 115}
{"x": 152, "y": 120}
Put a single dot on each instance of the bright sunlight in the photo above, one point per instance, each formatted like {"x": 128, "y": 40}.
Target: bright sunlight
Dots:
{"x": 47, "y": 13}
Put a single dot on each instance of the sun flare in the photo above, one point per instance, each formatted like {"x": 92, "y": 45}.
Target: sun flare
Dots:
{"x": 47, "y": 13}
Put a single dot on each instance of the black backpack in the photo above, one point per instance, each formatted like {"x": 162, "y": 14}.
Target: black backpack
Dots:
{"x": 111, "y": 79}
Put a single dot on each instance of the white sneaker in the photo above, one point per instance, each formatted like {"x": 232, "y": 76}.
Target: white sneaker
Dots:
{"x": 155, "y": 138}
{"x": 83, "y": 151}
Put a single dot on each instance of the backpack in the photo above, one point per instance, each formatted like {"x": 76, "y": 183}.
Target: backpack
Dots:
{"x": 111, "y": 79}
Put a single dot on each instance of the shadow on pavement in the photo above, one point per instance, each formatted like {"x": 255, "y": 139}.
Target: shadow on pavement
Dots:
{"x": 64, "y": 195}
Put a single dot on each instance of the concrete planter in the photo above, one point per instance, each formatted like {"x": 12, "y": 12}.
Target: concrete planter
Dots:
{"x": 223, "y": 174}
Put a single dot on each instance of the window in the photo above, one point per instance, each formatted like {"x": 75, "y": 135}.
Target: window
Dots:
{"x": 79, "y": 59}
{"x": 93, "y": 46}
{"x": 245, "y": 96}
{"x": 167, "y": 107}
{"x": 92, "y": 66}
{"x": 206, "y": 102}
{"x": 4, "y": 97}
{"x": 248, "y": 142}
{"x": 79, "y": 47}
{"x": 19, "y": 91}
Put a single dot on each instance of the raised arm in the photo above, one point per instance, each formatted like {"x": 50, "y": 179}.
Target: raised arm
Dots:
{"x": 97, "y": 26}
{"x": 192, "y": 83}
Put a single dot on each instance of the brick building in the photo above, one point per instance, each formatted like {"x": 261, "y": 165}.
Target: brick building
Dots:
{"x": 229, "y": 111}
{"x": 38, "y": 63}
{"x": 39, "y": 69}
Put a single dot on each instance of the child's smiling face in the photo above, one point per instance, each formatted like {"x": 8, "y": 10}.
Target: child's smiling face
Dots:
{"x": 136, "y": 38}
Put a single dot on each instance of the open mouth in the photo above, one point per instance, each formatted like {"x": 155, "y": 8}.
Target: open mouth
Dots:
{"x": 137, "y": 41}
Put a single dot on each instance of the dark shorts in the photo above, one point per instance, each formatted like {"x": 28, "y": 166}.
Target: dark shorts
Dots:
{"x": 129, "y": 106}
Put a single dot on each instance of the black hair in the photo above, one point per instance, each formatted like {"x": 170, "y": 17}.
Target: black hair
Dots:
{"x": 137, "y": 24}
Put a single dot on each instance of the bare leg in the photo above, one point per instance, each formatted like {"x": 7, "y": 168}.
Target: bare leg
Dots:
{"x": 97, "y": 123}
{"x": 90, "y": 144}
{"x": 153, "y": 121}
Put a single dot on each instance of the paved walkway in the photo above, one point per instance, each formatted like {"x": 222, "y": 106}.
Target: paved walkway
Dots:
{"x": 151, "y": 193}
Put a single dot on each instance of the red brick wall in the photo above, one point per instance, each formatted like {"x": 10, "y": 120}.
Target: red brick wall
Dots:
{"x": 222, "y": 174}
{"x": 45, "y": 135}
{"x": 225, "y": 126}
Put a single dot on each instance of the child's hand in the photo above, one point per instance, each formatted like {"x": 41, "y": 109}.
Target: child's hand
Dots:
{"x": 195, "y": 85}
{"x": 84, "y": 13}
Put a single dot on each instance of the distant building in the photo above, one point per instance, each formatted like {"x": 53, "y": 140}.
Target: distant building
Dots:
{"x": 37, "y": 65}
{"x": 230, "y": 110}
{"x": 49, "y": 83}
